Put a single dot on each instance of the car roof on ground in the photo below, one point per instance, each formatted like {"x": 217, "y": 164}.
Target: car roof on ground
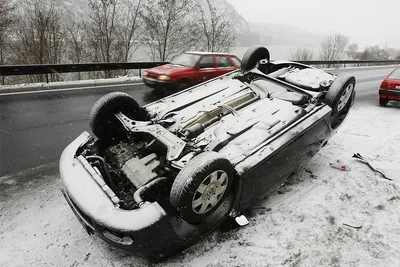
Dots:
{"x": 208, "y": 53}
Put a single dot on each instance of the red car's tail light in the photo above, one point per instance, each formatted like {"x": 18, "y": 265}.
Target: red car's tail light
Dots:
{"x": 384, "y": 84}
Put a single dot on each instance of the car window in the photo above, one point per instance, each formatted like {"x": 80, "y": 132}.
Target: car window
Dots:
{"x": 236, "y": 61}
{"x": 223, "y": 62}
{"x": 207, "y": 62}
{"x": 185, "y": 59}
{"x": 395, "y": 75}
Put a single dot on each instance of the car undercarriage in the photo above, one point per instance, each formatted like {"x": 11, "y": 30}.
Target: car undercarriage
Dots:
{"x": 242, "y": 113}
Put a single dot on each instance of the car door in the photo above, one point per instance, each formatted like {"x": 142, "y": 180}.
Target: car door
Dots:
{"x": 206, "y": 69}
{"x": 224, "y": 65}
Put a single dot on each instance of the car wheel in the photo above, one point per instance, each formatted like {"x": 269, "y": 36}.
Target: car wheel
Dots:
{"x": 383, "y": 102}
{"x": 102, "y": 120}
{"x": 341, "y": 93}
{"x": 183, "y": 84}
{"x": 340, "y": 97}
{"x": 252, "y": 56}
{"x": 201, "y": 186}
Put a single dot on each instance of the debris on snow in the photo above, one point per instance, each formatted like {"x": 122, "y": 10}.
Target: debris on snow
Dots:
{"x": 359, "y": 157}
{"x": 340, "y": 165}
{"x": 352, "y": 226}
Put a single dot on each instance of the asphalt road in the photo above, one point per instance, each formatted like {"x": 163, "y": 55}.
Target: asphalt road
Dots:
{"x": 36, "y": 127}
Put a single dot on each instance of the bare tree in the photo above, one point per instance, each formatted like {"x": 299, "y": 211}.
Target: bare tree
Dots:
{"x": 169, "y": 27}
{"x": 75, "y": 42}
{"x": 131, "y": 27}
{"x": 6, "y": 22}
{"x": 40, "y": 36}
{"x": 216, "y": 25}
{"x": 302, "y": 54}
{"x": 393, "y": 52}
{"x": 373, "y": 53}
{"x": 113, "y": 30}
{"x": 352, "y": 50}
{"x": 102, "y": 30}
{"x": 333, "y": 47}
{"x": 110, "y": 32}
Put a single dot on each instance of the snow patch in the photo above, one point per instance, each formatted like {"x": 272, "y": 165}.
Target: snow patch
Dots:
{"x": 71, "y": 83}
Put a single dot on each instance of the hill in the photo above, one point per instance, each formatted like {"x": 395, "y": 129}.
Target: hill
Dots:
{"x": 279, "y": 34}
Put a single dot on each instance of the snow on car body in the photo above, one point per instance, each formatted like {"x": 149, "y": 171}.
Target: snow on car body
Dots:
{"x": 159, "y": 177}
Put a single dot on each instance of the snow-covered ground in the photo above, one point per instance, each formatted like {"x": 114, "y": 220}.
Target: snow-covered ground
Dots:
{"x": 304, "y": 223}
{"x": 27, "y": 86}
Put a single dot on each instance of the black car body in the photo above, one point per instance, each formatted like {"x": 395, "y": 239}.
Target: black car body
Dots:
{"x": 157, "y": 178}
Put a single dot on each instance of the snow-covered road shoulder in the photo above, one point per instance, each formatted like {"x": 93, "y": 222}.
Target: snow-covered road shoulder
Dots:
{"x": 321, "y": 217}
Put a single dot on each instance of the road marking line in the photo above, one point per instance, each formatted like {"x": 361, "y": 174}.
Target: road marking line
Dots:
{"x": 69, "y": 89}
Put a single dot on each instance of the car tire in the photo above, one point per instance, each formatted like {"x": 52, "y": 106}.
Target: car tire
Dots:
{"x": 341, "y": 93}
{"x": 383, "y": 102}
{"x": 252, "y": 56}
{"x": 340, "y": 97}
{"x": 102, "y": 120}
{"x": 201, "y": 186}
{"x": 183, "y": 84}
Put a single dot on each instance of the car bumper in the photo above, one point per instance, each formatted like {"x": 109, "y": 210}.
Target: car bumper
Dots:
{"x": 145, "y": 232}
{"x": 157, "y": 84}
{"x": 389, "y": 94}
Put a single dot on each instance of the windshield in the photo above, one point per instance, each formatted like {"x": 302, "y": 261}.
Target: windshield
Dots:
{"x": 185, "y": 59}
{"x": 395, "y": 75}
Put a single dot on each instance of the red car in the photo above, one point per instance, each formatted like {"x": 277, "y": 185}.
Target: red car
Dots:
{"x": 190, "y": 68}
{"x": 390, "y": 88}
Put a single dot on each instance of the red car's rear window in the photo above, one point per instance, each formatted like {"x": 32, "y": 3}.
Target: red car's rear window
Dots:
{"x": 395, "y": 74}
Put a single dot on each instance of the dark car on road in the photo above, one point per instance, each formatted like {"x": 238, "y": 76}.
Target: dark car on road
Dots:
{"x": 190, "y": 68}
{"x": 154, "y": 179}
{"x": 390, "y": 88}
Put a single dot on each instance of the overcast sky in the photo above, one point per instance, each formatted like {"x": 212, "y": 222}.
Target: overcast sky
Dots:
{"x": 366, "y": 22}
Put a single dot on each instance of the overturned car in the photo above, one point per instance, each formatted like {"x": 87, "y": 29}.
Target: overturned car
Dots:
{"x": 153, "y": 180}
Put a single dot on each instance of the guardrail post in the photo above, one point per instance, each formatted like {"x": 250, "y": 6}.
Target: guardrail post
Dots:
{"x": 47, "y": 77}
{"x": 140, "y": 73}
{"x": 3, "y": 80}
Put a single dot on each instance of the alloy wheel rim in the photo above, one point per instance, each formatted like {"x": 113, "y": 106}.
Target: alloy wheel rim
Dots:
{"x": 345, "y": 97}
{"x": 210, "y": 191}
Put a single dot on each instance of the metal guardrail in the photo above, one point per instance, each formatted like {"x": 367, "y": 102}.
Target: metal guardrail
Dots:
{"x": 348, "y": 62}
{"x": 10, "y": 70}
